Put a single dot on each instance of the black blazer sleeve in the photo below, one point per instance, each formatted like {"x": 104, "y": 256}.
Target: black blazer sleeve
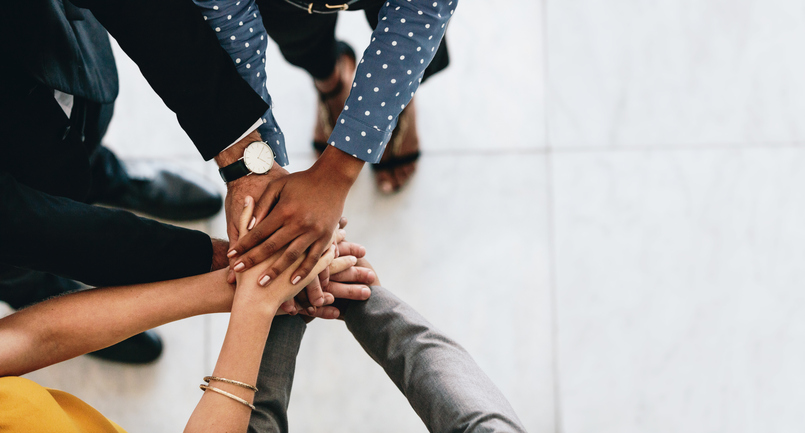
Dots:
{"x": 182, "y": 60}
{"x": 95, "y": 245}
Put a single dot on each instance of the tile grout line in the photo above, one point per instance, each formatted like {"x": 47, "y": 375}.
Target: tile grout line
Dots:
{"x": 549, "y": 204}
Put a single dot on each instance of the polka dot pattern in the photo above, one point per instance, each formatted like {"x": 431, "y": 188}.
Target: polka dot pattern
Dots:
{"x": 389, "y": 73}
{"x": 239, "y": 28}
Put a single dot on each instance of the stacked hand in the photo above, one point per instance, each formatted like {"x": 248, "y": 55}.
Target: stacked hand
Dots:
{"x": 294, "y": 213}
{"x": 346, "y": 280}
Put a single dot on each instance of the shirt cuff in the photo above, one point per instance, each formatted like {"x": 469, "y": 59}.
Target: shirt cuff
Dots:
{"x": 358, "y": 139}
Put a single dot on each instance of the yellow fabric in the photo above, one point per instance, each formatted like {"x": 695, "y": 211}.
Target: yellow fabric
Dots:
{"x": 27, "y": 407}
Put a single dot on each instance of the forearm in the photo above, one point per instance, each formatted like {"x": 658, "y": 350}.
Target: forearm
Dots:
{"x": 441, "y": 381}
{"x": 192, "y": 74}
{"x": 103, "y": 247}
{"x": 240, "y": 31}
{"x": 240, "y": 356}
{"x": 402, "y": 46}
{"x": 71, "y": 325}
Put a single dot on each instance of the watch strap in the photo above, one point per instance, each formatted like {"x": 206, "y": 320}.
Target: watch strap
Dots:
{"x": 234, "y": 171}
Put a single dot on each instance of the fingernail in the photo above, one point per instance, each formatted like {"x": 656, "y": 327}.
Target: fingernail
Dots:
{"x": 239, "y": 267}
{"x": 247, "y": 201}
{"x": 263, "y": 281}
{"x": 319, "y": 302}
{"x": 251, "y": 224}
{"x": 365, "y": 292}
{"x": 296, "y": 280}
{"x": 311, "y": 310}
{"x": 231, "y": 253}
{"x": 385, "y": 187}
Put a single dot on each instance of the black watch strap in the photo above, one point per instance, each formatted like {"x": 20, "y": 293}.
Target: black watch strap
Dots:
{"x": 233, "y": 171}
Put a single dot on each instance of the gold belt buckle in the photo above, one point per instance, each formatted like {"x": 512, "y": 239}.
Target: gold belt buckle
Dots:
{"x": 342, "y": 7}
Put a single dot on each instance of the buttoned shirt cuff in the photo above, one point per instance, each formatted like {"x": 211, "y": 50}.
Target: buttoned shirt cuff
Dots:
{"x": 359, "y": 140}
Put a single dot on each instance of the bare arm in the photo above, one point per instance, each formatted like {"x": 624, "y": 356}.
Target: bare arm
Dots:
{"x": 69, "y": 326}
{"x": 253, "y": 310}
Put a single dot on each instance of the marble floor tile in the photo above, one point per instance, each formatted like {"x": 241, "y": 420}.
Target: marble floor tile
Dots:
{"x": 466, "y": 245}
{"x": 673, "y": 72}
{"x": 679, "y": 301}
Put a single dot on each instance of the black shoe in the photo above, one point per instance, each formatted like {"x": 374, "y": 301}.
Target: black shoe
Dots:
{"x": 22, "y": 287}
{"x": 142, "y": 348}
{"x": 163, "y": 193}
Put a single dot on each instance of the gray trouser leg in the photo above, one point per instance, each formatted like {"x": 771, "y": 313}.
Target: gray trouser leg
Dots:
{"x": 441, "y": 381}
{"x": 276, "y": 375}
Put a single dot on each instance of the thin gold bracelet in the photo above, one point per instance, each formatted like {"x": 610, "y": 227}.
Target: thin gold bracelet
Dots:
{"x": 233, "y": 382}
{"x": 224, "y": 393}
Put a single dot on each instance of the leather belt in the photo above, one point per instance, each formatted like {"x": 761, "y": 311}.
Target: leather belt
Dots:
{"x": 313, "y": 8}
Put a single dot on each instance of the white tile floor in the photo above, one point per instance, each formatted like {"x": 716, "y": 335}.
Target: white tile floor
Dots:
{"x": 607, "y": 215}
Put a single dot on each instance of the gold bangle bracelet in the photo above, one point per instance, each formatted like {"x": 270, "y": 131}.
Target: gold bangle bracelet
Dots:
{"x": 233, "y": 382}
{"x": 224, "y": 393}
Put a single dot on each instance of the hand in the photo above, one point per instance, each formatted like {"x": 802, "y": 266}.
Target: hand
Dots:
{"x": 299, "y": 210}
{"x": 315, "y": 288}
{"x": 239, "y": 189}
{"x": 282, "y": 290}
{"x": 335, "y": 292}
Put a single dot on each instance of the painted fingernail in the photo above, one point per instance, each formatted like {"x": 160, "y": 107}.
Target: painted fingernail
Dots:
{"x": 296, "y": 280}
{"x": 239, "y": 267}
{"x": 251, "y": 224}
{"x": 263, "y": 281}
{"x": 231, "y": 253}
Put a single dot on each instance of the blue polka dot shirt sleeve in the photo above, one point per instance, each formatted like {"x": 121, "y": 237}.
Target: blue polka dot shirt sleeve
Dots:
{"x": 402, "y": 46}
{"x": 239, "y": 28}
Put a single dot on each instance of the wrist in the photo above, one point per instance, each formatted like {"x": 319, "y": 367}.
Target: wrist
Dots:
{"x": 338, "y": 166}
{"x": 235, "y": 152}
{"x": 255, "y": 303}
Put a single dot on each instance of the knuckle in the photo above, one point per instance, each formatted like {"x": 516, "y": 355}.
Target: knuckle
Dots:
{"x": 269, "y": 247}
{"x": 256, "y": 233}
{"x": 293, "y": 255}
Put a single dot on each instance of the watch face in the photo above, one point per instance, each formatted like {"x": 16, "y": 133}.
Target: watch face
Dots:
{"x": 258, "y": 157}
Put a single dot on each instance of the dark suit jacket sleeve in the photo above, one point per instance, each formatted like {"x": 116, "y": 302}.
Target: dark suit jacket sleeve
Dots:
{"x": 95, "y": 245}
{"x": 182, "y": 60}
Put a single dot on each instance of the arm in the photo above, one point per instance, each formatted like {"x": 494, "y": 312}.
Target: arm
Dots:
{"x": 183, "y": 62}
{"x": 71, "y": 325}
{"x": 300, "y": 209}
{"x": 443, "y": 384}
{"x": 239, "y": 28}
{"x": 101, "y": 247}
{"x": 253, "y": 310}
{"x": 68, "y": 326}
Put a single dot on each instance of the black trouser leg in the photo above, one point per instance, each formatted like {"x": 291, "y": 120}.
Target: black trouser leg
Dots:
{"x": 305, "y": 40}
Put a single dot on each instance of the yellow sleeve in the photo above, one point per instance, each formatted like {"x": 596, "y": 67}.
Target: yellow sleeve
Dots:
{"x": 27, "y": 407}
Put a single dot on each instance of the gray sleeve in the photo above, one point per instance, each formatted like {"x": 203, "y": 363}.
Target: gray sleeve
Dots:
{"x": 441, "y": 381}
{"x": 276, "y": 375}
